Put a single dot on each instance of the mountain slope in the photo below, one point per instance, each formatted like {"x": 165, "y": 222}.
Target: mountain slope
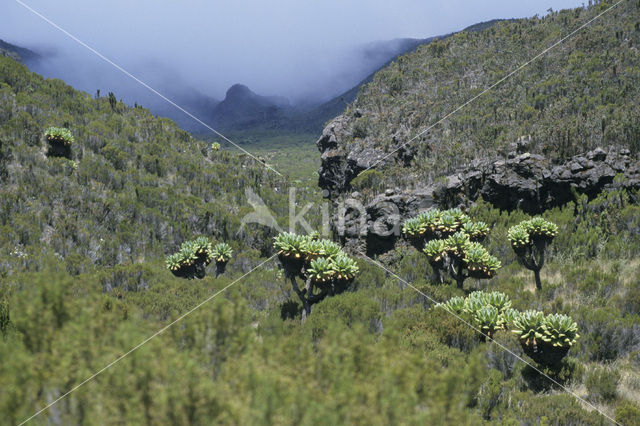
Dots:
{"x": 17, "y": 53}
{"x": 243, "y": 109}
{"x": 580, "y": 95}
{"x": 140, "y": 188}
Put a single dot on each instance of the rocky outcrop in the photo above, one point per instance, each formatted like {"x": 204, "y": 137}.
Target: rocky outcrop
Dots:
{"x": 374, "y": 226}
{"x": 526, "y": 181}
{"x": 339, "y": 166}
{"x": 532, "y": 184}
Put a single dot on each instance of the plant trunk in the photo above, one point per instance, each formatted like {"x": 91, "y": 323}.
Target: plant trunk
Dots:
{"x": 220, "y": 268}
{"x": 536, "y": 273}
{"x": 306, "y": 306}
{"x": 460, "y": 282}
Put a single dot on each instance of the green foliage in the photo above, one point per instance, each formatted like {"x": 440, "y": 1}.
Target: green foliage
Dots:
{"x": 322, "y": 263}
{"x": 553, "y": 113}
{"x": 559, "y": 330}
{"x": 60, "y": 135}
{"x": 291, "y": 245}
{"x": 450, "y": 241}
{"x": 602, "y": 383}
{"x": 320, "y": 270}
{"x": 546, "y": 339}
{"x": 488, "y": 312}
{"x": 529, "y": 326}
{"x": 193, "y": 257}
{"x": 371, "y": 180}
{"x": 373, "y": 355}
{"x": 627, "y": 413}
{"x": 5, "y": 317}
{"x": 344, "y": 267}
{"x": 222, "y": 252}
{"x": 529, "y": 240}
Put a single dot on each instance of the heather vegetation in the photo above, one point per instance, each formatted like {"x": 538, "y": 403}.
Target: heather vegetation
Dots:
{"x": 578, "y": 96}
{"x": 93, "y": 259}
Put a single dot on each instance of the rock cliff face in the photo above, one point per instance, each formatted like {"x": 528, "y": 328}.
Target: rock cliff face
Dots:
{"x": 530, "y": 183}
{"x": 339, "y": 164}
{"x": 526, "y": 181}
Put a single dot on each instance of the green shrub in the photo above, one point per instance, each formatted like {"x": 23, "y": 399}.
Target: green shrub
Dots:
{"x": 371, "y": 179}
{"x": 5, "y": 318}
{"x": 602, "y": 383}
{"x": 627, "y": 413}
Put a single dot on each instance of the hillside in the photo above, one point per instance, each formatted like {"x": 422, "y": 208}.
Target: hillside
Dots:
{"x": 578, "y": 96}
{"x": 90, "y": 314}
{"x": 17, "y": 53}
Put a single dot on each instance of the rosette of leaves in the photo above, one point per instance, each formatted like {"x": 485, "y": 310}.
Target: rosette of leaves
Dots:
{"x": 449, "y": 223}
{"x": 529, "y": 240}
{"x": 430, "y": 219}
{"x": 488, "y": 320}
{"x": 474, "y": 302}
{"x": 528, "y": 326}
{"x": 509, "y": 315}
{"x": 414, "y": 228}
{"x": 545, "y": 339}
{"x": 215, "y": 147}
{"x": 60, "y": 140}
{"x": 498, "y": 300}
{"x": 221, "y": 253}
{"x": 290, "y": 244}
{"x": 314, "y": 249}
{"x": 477, "y": 231}
{"x": 329, "y": 249}
{"x": 458, "y": 244}
{"x": 479, "y": 263}
{"x": 320, "y": 271}
{"x": 202, "y": 248}
{"x": 455, "y": 305}
{"x": 344, "y": 268}
{"x": 192, "y": 259}
{"x": 539, "y": 227}
{"x": 519, "y": 238}
{"x": 173, "y": 262}
{"x": 292, "y": 251}
{"x": 436, "y": 251}
{"x": 559, "y": 330}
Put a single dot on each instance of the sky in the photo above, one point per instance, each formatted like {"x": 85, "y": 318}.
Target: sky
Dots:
{"x": 294, "y": 48}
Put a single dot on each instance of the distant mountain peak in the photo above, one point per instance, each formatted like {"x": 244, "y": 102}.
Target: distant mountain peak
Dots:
{"x": 239, "y": 90}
